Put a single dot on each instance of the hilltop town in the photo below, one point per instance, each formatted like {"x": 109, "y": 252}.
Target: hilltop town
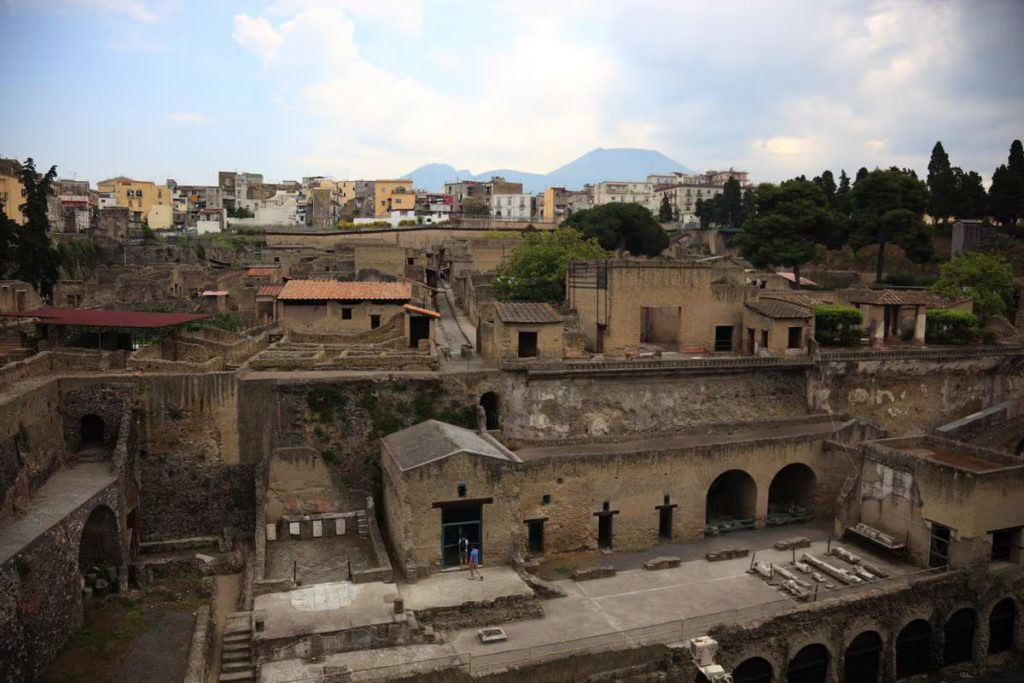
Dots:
{"x": 690, "y": 426}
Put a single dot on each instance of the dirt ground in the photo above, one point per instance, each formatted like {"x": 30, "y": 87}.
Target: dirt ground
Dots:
{"x": 131, "y": 640}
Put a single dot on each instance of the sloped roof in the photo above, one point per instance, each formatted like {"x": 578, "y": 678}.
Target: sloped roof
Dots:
{"x": 269, "y": 290}
{"x": 526, "y": 313}
{"x": 898, "y": 297}
{"x": 432, "y": 440}
{"x": 260, "y": 272}
{"x": 332, "y": 290}
{"x": 775, "y": 308}
{"x": 804, "y": 282}
{"x": 92, "y": 317}
{"x": 421, "y": 311}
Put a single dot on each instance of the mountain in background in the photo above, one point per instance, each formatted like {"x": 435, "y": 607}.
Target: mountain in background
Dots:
{"x": 600, "y": 164}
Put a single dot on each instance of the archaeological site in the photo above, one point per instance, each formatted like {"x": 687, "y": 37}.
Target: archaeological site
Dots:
{"x": 331, "y": 456}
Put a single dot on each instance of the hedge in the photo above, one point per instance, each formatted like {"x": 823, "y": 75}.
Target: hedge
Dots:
{"x": 837, "y": 325}
{"x": 950, "y": 326}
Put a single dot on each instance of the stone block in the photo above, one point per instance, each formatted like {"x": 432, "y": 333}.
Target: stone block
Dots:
{"x": 665, "y": 562}
{"x": 794, "y": 542}
{"x": 271, "y": 532}
{"x": 318, "y": 528}
{"x": 590, "y": 573}
{"x": 725, "y": 554}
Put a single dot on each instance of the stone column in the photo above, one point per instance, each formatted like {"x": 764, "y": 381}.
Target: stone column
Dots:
{"x": 919, "y": 324}
{"x": 878, "y": 331}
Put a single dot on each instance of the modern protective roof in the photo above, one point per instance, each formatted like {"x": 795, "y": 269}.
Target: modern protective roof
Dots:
{"x": 260, "y": 272}
{"x": 332, "y": 290}
{"x": 773, "y": 308}
{"x": 421, "y": 311}
{"x": 432, "y": 440}
{"x": 526, "y": 313}
{"x": 804, "y": 282}
{"x": 93, "y": 317}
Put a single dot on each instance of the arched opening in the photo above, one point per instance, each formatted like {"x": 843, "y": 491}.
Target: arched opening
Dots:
{"x": 92, "y": 430}
{"x": 862, "y": 660}
{"x": 913, "y": 645}
{"x": 489, "y": 401}
{"x": 1001, "y": 623}
{"x": 959, "y": 632}
{"x": 791, "y": 495}
{"x": 809, "y": 666}
{"x": 753, "y": 670}
{"x": 99, "y": 550}
{"x": 731, "y": 502}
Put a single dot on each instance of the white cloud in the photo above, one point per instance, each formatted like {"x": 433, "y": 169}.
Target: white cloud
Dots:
{"x": 149, "y": 11}
{"x": 186, "y": 117}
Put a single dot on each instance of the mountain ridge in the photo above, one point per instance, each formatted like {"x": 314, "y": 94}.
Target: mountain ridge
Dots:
{"x": 617, "y": 163}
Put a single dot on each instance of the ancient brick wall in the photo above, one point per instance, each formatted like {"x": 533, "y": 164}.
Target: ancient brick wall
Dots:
{"x": 30, "y": 446}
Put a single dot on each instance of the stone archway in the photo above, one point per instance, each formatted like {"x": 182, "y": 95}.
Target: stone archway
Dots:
{"x": 862, "y": 661}
{"x": 791, "y": 493}
{"x": 810, "y": 665}
{"x": 1002, "y": 622}
{"x": 99, "y": 549}
{"x": 913, "y": 648}
{"x": 731, "y": 499}
{"x": 959, "y": 637}
{"x": 753, "y": 670}
{"x": 489, "y": 402}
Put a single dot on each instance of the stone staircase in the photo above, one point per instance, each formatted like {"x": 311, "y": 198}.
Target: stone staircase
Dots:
{"x": 361, "y": 524}
{"x": 236, "y": 659}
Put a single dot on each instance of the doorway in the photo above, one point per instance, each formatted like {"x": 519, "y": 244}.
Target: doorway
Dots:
{"x": 665, "y": 522}
{"x": 527, "y": 344}
{"x": 604, "y": 531}
{"x": 419, "y": 328}
{"x": 723, "y": 338}
{"x": 535, "y": 535}
{"x": 91, "y": 430}
{"x": 461, "y": 527}
{"x": 938, "y": 548}
{"x": 659, "y": 325}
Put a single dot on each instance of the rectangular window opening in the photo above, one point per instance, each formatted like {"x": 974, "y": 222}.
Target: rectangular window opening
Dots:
{"x": 795, "y": 337}
{"x": 527, "y": 345}
{"x": 346, "y": 314}
{"x": 723, "y": 338}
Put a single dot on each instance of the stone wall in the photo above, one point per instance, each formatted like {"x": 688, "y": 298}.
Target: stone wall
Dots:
{"x": 31, "y": 448}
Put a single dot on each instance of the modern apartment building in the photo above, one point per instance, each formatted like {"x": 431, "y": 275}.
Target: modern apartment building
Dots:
{"x": 139, "y": 197}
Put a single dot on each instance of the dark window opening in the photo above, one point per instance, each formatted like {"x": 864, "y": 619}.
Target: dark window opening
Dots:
{"x": 535, "y": 536}
{"x": 764, "y": 339}
{"x": 460, "y": 490}
{"x": 959, "y": 631}
{"x": 489, "y": 402}
{"x": 374, "y": 322}
{"x": 795, "y": 337}
{"x": 665, "y": 522}
{"x": 606, "y": 506}
{"x": 92, "y": 430}
{"x": 604, "y": 531}
{"x": 665, "y": 499}
{"x": 1001, "y": 623}
{"x": 938, "y": 548}
{"x": 527, "y": 345}
{"x": 346, "y": 314}
{"x": 1003, "y": 542}
{"x": 913, "y": 645}
{"x": 545, "y": 499}
{"x": 410, "y": 261}
{"x": 723, "y": 337}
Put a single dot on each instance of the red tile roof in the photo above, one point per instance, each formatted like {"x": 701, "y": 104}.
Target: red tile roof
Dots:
{"x": 261, "y": 272}
{"x": 332, "y": 290}
{"x": 899, "y": 297}
{"x": 92, "y": 317}
{"x": 421, "y": 311}
{"x": 269, "y": 290}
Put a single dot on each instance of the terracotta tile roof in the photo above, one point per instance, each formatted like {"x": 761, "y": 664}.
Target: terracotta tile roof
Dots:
{"x": 421, "y": 311}
{"x": 269, "y": 290}
{"x": 804, "y": 282}
{"x": 899, "y": 297}
{"x": 261, "y": 272}
{"x": 526, "y": 313}
{"x": 332, "y": 290}
{"x": 806, "y": 298}
{"x": 774, "y": 308}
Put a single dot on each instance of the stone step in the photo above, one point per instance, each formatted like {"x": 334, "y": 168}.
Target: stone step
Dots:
{"x": 238, "y": 636}
{"x": 237, "y": 647}
{"x": 237, "y": 627}
{"x": 236, "y": 657}
{"x": 233, "y": 676}
{"x": 226, "y": 667}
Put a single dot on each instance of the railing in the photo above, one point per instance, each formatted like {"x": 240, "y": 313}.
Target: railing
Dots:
{"x": 927, "y": 353}
{"x": 657, "y": 365}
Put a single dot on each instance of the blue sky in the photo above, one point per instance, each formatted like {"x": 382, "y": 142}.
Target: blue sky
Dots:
{"x": 371, "y": 88}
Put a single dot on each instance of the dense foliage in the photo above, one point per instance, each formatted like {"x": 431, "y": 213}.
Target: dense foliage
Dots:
{"x": 837, "y": 325}
{"x": 988, "y": 280}
{"x": 621, "y": 227}
{"x": 950, "y": 326}
{"x": 536, "y": 269}
{"x": 25, "y": 250}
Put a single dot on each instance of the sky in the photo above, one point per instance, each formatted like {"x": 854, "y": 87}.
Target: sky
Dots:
{"x": 158, "y": 89}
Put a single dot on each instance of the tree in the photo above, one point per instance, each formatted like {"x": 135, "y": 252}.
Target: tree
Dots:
{"x": 665, "y": 210}
{"x": 1003, "y": 196}
{"x": 731, "y": 203}
{"x": 887, "y": 206}
{"x": 8, "y": 245}
{"x": 621, "y": 227}
{"x": 827, "y": 183}
{"x": 475, "y": 207}
{"x": 970, "y": 199}
{"x": 988, "y": 280}
{"x": 535, "y": 271}
{"x": 783, "y": 232}
{"x": 843, "y": 194}
{"x": 37, "y": 261}
{"x": 942, "y": 184}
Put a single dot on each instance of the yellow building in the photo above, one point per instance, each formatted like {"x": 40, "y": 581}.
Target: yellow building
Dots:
{"x": 392, "y": 195}
{"x": 10, "y": 195}
{"x": 138, "y": 196}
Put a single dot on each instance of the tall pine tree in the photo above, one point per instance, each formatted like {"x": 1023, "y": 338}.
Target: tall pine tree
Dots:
{"x": 843, "y": 194}
{"x": 37, "y": 260}
{"x": 942, "y": 184}
{"x": 971, "y": 202}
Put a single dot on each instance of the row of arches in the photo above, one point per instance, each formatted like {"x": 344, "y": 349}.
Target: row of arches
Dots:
{"x": 733, "y": 494}
{"x": 862, "y": 660}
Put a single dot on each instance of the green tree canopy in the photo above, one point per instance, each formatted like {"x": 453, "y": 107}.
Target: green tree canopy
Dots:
{"x": 988, "y": 280}
{"x": 621, "y": 227}
{"x": 475, "y": 207}
{"x": 665, "y": 209}
{"x": 535, "y": 271}
{"x": 887, "y": 206}
{"x": 971, "y": 201}
{"x": 1006, "y": 194}
{"x": 843, "y": 194}
{"x": 783, "y": 233}
{"x": 942, "y": 184}
{"x": 36, "y": 261}
{"x": 827, "y": 182}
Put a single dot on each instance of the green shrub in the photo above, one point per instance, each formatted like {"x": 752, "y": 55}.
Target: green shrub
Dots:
{"x": 837, "y": 325}
{"x": 950, "y": 326}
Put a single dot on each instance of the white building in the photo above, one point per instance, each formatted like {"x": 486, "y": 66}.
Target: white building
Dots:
{"x": 511, "y": 207}
{"x": 609, "y": 192}
{"x": 686, "y": 189}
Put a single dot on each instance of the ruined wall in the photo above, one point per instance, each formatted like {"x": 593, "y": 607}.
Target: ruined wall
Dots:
{"x": 913, "y": 396}
{"x": 31, "y": 448}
